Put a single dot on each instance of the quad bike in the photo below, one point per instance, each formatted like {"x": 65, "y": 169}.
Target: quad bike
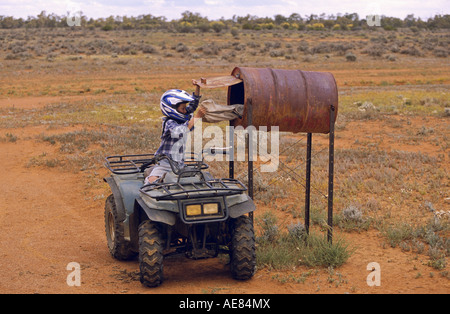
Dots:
{"x": 188, "y": 211}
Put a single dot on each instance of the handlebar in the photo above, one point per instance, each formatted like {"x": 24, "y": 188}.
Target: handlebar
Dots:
{"x": 217, "y": 150}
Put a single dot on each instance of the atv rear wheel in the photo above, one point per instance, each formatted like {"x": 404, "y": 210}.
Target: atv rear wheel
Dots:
{"x": 242, "y": 253}
{"x": 150, "y": 254}
{"x": 117, "y": 245}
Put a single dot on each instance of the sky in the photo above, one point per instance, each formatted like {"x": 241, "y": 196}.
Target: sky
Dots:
{"x": 216, "y": 9}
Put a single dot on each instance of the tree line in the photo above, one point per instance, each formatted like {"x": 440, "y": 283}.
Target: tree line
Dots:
{"x": 194, "y": 22}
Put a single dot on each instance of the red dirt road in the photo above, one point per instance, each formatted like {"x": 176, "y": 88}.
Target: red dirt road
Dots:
{"x": 50, "y": 219}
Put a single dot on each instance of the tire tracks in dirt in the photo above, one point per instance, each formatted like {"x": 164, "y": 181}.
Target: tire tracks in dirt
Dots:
{"x": 45, "y": 216}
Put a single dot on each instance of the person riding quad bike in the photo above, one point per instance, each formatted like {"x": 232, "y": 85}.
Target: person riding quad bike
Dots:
{"x": 177, "y": 206}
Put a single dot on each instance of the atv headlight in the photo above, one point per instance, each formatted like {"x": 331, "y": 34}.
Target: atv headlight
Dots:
{"x": 203, "y": 210}
{"x": 210, "y": 209}
{"x": 194, "y": 210}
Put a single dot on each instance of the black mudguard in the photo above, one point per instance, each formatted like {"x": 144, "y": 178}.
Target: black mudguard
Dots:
{"x": 242, "y": 208}
{"x": 165, "y": 217}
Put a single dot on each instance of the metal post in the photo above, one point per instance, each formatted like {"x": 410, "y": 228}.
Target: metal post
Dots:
{"x": 330, "y": 175}
{"x": 250, "y": 167}
{"x": 231, "y": 154}
{"x": 249, "y": 144}
{"x": 308, "y": 181}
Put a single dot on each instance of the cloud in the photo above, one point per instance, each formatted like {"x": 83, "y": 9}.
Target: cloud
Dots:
{"x": 213, "y": 2}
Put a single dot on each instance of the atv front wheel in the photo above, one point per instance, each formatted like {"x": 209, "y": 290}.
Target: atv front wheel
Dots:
{"x": 117, "y": 245}
{"x": 150, "y": 254}
{"x": 242, "y": 254}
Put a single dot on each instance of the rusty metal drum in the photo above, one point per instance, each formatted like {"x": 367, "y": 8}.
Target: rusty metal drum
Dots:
{"x": 293, "y": 100}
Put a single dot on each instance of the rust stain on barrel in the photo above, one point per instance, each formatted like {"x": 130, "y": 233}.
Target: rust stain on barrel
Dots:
{"x": 293, "y": 100}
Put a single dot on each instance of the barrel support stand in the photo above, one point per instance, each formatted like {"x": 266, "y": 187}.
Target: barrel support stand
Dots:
{"x": 249, "y": 147}
{"x": 249, "y": 144}
{"x": 308, "y": 169}
{"x": 308, "y": 181}
{"x": 331, "y": 174}
{"x": 330, "y": 177}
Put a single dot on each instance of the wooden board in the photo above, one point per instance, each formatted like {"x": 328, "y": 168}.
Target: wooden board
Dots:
{"x": 219, "y": 81}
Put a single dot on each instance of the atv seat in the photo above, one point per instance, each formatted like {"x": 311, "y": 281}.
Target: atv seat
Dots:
{"x": 189, "y": 175}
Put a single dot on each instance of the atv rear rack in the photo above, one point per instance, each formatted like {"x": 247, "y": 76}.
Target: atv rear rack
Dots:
{"x": 199, "y": 189}
{"x": 128, "y": 164}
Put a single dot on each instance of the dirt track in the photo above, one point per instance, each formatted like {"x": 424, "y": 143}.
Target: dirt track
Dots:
{"x": 50, "y": 219}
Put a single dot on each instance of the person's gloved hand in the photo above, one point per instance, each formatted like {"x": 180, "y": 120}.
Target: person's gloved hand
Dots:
{"x": 193, "y": 104}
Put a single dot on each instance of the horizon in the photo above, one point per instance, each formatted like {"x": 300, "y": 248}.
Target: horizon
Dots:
{"x": 215, "y": 9}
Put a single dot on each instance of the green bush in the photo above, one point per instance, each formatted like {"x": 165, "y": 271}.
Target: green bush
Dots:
{"x": 286, "y": 250}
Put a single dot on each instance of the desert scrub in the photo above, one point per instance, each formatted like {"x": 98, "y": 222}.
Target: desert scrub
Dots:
{"x": 389, "y": 101}
{"x": 114, "y": 139}
{"x": 86, "y": 149}
{"x": 43, "y": 160}
{"x": 124, "y": 110}
{"x": 352, "y": 218}
{"x": 9, "y": 137}
{"x": 430, "y": 238}
{"x": 349, "y": 56}
{"x": 282, "y": 250}
{"x": 269, "y": 228}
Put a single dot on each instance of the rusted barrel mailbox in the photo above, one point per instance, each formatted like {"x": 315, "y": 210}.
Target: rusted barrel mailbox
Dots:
{"x": 293, "y": 100}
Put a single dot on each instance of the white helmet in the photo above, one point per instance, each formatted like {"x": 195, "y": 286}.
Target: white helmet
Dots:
{"x": 169, "y": 101}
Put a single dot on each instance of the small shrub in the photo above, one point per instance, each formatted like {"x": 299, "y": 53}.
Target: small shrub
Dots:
{"x": 350, "y": 57}
{"x": 353, "y": 213}
{"x": 440, "y": 52}
{"x": 180, "y": 47}
{"x": 425, "y": 131}
{"x": 51, "y": 57}
{"x": 374, "y": 50}
{"x": 11, "y": 56}
{"x": 391, "y": 58}
{"x": 277, "y": 53}
{"x": 323, "y": 47}
{"x": 303, "y": 46}
{"x": 210, "y": 49}
{"x": 217, "y": 26}
{"x": 9, "y": 137}
{"x": 297, "y": 231}
{"x": 412, "y": 51}
{"x": 315, "y": 26}
{"x": 395, "y": 48}
{"x": 269, "y": 228}
{"x": 323, "y": 253}
{"x": 148, "y": 49}
{"x": 107, "y": 28}
{"x": 352, "y": 219}
{"x": 398, "y": 234}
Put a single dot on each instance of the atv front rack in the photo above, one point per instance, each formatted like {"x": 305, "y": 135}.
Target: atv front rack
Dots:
{"x": 199, "y": 189}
